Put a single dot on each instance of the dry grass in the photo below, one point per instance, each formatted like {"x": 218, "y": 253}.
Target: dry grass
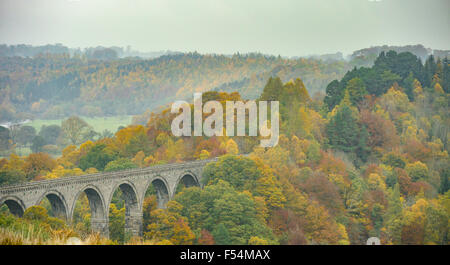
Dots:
{"x": 30, "y": 236}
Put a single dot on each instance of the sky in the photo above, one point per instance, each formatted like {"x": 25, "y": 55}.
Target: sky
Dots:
{"x": 278, "y": 27}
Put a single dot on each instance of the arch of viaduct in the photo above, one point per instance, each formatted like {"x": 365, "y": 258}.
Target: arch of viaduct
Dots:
{"x": 63, "y": 193}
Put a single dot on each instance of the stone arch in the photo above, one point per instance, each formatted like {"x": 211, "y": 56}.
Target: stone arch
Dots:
{"x": 99, "y": 216}
{"x": 15, "y": 205}
{"x": 188, "y": 179}
{"x": 133, "y": 213}
{"x": 58, "y": 203}
{"x": 162, "y": 191}
{"x": 129, "y": 195}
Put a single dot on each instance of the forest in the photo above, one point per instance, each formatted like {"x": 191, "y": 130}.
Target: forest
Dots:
{"x": 58, "y": 85}
{"x": 367, "y": 158}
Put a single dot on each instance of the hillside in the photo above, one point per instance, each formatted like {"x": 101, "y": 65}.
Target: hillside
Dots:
{"x": 368, "y": 160}
{"x": 60, "y": 85}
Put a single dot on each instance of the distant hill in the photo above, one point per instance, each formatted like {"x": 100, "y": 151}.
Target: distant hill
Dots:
{"x": 114, "y": 52}
{"x": 419, "y": 50}
{"x": 60, "y": 85}
{"x": 54, "y": 81}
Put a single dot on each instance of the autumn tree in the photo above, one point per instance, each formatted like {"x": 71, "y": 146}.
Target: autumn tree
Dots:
{"x": 74, "y": 128}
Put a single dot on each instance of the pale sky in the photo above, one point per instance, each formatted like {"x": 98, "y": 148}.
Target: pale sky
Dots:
{"x": 286, "y": 27}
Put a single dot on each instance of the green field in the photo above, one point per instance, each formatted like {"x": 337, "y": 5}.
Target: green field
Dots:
{"x": 98, "y": 123}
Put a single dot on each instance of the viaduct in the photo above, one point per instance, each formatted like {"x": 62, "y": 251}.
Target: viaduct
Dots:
{"x": 63, "y": 193}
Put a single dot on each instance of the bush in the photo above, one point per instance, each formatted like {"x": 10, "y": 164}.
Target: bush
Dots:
{"x": 120, "y": 164}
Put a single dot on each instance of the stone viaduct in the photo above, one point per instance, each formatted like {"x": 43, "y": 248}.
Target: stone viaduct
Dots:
{"x": 63, "y": 193}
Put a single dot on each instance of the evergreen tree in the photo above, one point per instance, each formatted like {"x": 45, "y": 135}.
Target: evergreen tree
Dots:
{"x": 343, "y": 131}
{"x": 334, "y": 94}
{"x": 363, "y": 150}
{"x": 357, "y": 90}
{"x": 272, "y": 89}
{"x": 446, "y": 75}
{"x": 221, "y": 235}
{"x": 429, "y": 71}
{"x": 393, "y": 217}
{"x": 408, "y": 84}
{"x": 37, "y": 144}
{"x": 445, "y": 184}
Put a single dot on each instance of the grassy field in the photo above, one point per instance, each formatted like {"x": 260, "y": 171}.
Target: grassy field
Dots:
{"x": 98, "y": 123}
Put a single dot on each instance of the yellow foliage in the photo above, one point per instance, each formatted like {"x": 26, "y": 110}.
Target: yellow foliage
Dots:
{"x": 254, "y": 240}
{"x": 204, "y": 154}
{"x": 139, "y": 158}
{"x": 60, "y": 171}
{"x": 376, "y": 181}
{"x": 232, "y": 147}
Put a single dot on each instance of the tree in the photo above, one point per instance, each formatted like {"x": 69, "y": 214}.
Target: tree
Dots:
{"x": 343, "y": 131}
{"x": 36, "y": 212}
{"x": 417, "y": 171}
{"x": 50, "y": 133}
{"x": 75, "y": 128}
{"x": 120, "y": 164}
{"x": 357, "y": 90}
{"x": 381, "y": 131}
{"x": 220, "y": 203}
{"x": 131, "y": 140}
{"x": 206, "y": 238}
{"x": 445, "y": 181}
{"x": 39, "y": 163}
{"x": 11, "y": 176}
{"x": 394, "y": 160}
{"x": 139, "y": 159}
{"x": 232, "y": 147}
{"x": 393, "y": 217}
{"x": 38, "y": 143}
{"x": 97, "y": 157}
{"x": 334, "y": 94}
{"x": 204, "y": 155}
{"x": 257, "y": 241}
{"x": 169, "y": 225}
{"x": 5, "y": 139}
{"x": 106, "y": 134}
{"x": 241, "y": 172}
{"x": 272, "y": 89}
{"x": 221, "y": 235}
{"x": 409, "y": 86}
{"x": 25, "y": 135}
{"x": 117, "y": 223}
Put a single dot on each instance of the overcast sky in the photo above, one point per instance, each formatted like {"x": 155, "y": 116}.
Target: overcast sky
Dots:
{"x": 286, "y": 27}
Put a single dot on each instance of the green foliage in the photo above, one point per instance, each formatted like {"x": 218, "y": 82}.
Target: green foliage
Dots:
{"x": 356, "y": 89}
{"x": 36, "y": 213}
{"x": 97, "y": 157}
{"x": 343, "y": 130}
{"x": 239, "y": 171}
{"x": 393, "y": 160}
{"x": 39, "y": 213}
{"x": 365, "y": 166}
{"x": 417, "y": 171}
{"x": 25, "y": 135}
{"x": 221, "y": 235}
{"x": 221, "y": 205}
{"x": 75, "y": 129}
{"x": 272, "y": 89}
{"x": 38, "y": 143}
{"x": 120, "y": 164}
{"x": 445, "y": 181}
{"x": 5, "y": 138}
{"x": 11, "y": 176}
{"x": 50, "y": 133}
{"x": 57, "y": 85}
{"x": 117, "y": 223}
